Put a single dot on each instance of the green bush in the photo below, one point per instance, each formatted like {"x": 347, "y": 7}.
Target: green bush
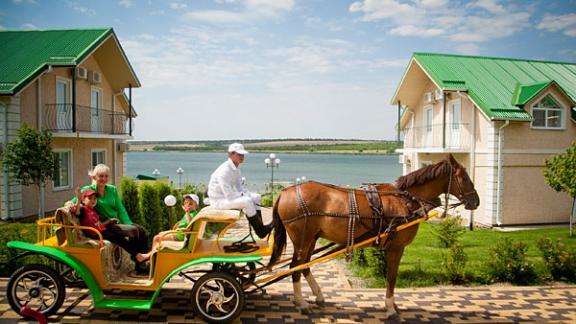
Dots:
{"x": 509, "y": 263}
{"x": 376, "y": 261}
{"x": 449, "y": 231}
{"x": 130, "y": 199}
{"x": 164, "y": 190}
{"x": 150, "y": 209}
{"x": 15, "y": 232}
{"x": 560, "y": 262}
{"x": 267, "y": 201}
{"x": 455, "y": 264}
{"x": 359, "y": 258}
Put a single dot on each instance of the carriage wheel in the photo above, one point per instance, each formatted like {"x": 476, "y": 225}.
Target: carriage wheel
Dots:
{"x": 36, "y": 286}
{"x": 217, "y": 297}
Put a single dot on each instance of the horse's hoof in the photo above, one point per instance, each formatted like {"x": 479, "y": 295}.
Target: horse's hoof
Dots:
{"x": 320, "y": 302}
{"x": 304, "y": 308}
{"x": 391, "y": 314}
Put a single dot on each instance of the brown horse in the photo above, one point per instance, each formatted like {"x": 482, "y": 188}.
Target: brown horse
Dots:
{"x": 325, "y": 206}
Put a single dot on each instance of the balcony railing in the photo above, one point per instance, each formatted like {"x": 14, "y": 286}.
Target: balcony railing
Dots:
{"x": 458, "y": 137}
{"x": 58, "y": 119}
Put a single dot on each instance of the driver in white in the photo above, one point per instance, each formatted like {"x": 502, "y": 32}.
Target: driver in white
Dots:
{"x": 226, "y": 191}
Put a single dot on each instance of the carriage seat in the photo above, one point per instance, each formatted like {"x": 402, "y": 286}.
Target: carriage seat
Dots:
{"x": 115, "y": 260}
{"x": 206, "y": 214}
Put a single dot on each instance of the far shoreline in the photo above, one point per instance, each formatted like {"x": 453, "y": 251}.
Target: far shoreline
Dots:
{"x": 273, "y": 151}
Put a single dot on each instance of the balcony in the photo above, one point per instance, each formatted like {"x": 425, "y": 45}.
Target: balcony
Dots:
{"x": 90, "y": 121}
{"x": 429, "y": 138}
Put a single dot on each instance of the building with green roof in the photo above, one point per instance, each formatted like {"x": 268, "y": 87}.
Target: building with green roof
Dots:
{"x": 77, "y": 84}
{"x": 501, "y": 118}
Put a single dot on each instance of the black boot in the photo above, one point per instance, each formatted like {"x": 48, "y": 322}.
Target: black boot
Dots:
{"x": 256, "y": 222}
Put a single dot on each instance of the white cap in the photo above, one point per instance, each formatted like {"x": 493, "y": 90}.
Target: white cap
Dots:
{"x": 193, "y": 197}
{"x": 238, "y": 148}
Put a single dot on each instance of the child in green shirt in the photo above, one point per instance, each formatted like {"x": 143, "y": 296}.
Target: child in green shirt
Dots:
{"x": 190, "y": 204}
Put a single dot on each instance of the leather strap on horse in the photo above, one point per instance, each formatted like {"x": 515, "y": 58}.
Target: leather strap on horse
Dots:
{"x": 305, "y": 211}
{"x": 375, "y": 203}
{"x": 354, "y": 214}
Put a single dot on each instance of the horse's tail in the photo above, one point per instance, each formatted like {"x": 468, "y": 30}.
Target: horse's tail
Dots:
{"x": 279, "y": 235}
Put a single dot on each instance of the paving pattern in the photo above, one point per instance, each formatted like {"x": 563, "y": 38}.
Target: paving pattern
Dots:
{"x": 344, "y": 304}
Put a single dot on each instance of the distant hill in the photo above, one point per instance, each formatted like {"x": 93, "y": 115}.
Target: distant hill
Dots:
{"x": 296, "y": 145}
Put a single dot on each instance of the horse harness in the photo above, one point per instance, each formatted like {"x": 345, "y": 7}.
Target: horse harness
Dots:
{"x": 416, "y": 206}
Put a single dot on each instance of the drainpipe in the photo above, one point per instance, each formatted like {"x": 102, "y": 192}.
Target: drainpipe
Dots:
{"x": 74, "y": 100}
{"x": 499, "y": 176}
{"x": 5, "y": 181}
{"x": 40, "y": 128}
{"x": 130, "y": 108}
{"x": 398, "y": 124}
{"x": 114, "y": 142}
{"x": 443, "y": 119}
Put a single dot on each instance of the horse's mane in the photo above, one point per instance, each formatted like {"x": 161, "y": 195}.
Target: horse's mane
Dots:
{"x": 423, "y": 175}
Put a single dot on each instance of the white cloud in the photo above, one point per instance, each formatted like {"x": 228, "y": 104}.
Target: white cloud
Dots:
{"x": 467, "y": 48}
{"x": 564, "y": 23}
{"x": 125, "y": 3}
{"x": 24, "y": 1}
{"x": 409, "y": 30}
{"x": 178, "y": 6}
{"x": 29, "y": 26}
{"x": 216, "y": 16}
{"x": 83, "y": 10}
{"x": 250, "y": 10}
{"x": 477, "y": 21}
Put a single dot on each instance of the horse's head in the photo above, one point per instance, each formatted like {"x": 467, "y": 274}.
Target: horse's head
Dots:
{"x": 461, "y": 186}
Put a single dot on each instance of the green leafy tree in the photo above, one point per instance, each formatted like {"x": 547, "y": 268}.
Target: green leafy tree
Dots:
{"x": 163, "y": 191}
{"x": 30, "y": 160}
{"x": 560, "y": 174}
{"x": 130, "y": 199}
{"x": 150, "y": 209}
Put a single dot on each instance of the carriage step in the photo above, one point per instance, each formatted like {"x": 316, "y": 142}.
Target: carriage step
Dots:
{"x": 141, "y": 304}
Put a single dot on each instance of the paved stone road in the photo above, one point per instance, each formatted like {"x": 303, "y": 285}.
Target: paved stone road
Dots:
{"x": 344, "y": 304}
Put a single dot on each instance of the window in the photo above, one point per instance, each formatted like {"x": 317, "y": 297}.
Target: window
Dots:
{"x": 547, "y": 113}
{"x": 63, "y": 170}
{"x": 98, "y": 157}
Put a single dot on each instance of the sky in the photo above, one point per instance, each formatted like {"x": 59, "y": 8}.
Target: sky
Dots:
{"x": 249, "y": 69}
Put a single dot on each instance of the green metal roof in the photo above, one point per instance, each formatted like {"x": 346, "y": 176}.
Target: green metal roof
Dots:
{"x": 499, "y": 86}
{"x": 25, "y": 54}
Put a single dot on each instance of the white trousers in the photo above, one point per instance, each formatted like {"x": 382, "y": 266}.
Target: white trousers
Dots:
{"x": 250, "y": 203}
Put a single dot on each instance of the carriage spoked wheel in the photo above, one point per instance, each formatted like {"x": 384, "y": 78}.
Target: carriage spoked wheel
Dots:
{"x": 36, "y": 286}
{"x": 217, "y": 297}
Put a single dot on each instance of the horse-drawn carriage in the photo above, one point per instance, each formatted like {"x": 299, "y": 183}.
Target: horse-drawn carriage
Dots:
{"x": 223, "y": 270}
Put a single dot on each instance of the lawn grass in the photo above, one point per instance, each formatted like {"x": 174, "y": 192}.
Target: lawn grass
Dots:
{"x": 421, "y": 264}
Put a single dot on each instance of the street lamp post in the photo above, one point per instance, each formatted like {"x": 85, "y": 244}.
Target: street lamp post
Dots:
{"x": 180, "y": 172}
{"x": 272, "y": 162}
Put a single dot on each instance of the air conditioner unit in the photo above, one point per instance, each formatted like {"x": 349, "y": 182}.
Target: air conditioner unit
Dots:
{"x": 428, "y": 97}
{"x": 82, "y": 73}
{"x": 122, "y": 147}
{"x": 438, "y": 94}
{"x": 96, "y": 77}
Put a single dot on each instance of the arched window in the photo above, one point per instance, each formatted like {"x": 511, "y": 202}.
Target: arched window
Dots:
{"x": 548, "y": 113}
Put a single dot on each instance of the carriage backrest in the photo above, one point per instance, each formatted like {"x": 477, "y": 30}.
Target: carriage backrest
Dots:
{"x": 74, "y": 236}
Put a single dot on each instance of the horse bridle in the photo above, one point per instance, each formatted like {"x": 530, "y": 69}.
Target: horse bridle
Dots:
{"x": 462, "y": 195}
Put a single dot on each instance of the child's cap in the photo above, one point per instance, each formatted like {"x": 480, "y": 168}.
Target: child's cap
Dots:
{"x": 88, "y": 193}
{"x": 193, "y": 197}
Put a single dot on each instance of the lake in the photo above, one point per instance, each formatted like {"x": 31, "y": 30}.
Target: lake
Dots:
{"x": 339, "y": 169}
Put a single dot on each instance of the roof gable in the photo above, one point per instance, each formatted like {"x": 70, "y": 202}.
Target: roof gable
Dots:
{"x": 26, "y": 54}
{"x": 497, "y": 84}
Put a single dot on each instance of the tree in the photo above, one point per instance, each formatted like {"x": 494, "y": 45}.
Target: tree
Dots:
{"x": 30, "y": 160}
{"x": 560, "y": 174}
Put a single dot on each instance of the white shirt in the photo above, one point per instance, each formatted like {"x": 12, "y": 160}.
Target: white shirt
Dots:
{"x": 226, "y": 182}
